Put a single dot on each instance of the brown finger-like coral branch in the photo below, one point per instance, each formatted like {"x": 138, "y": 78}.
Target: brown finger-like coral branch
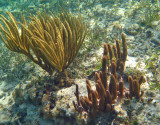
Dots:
{"x": 108, "y": 98}
{"x": 141, "y": 80}
{"x": 102, "y": 89}
{"x": 115, "y": 51}
{"x": 88, "y": 102}
{"x": 85, "y": 104}
{"x": 77, "y": 94}
{"x": 97, "y": 77}
{"x": 121, "y": 88}
{"x": 102, "y": 104}
{"x": 134, "y": 86}
{"x": 118, "y": 49}
{"x": 124, "y": 56}
{"x": 136, "y": 89}
{"x": 113, "y": 87}
{"x": 94, "y": 108}
{"x": 121, "y": 58}
{"x": 108, "y": 102}
{"x": 101, "y": 95}
{"x": 89, "y": 89}
{"x": 121, "y": 67}
{"x": 101, "y": 75}
{"x": 113, "y": 69}
{"x": 97, "y": 95}
{"x": 75, "y": 106}
{"x": 130, "y": 81}
{"x": 105, "y": 50}
{"x": 98, "y": 89}
{"x": 104, "y": 72}
{"x": 108, "y": 108}
{"x": 110, "y": 52}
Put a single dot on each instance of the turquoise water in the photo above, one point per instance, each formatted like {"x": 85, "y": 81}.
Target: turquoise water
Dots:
{"x": 32, "y": 94}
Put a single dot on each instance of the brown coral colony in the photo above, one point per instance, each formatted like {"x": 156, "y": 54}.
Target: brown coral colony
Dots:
{"x": 107, "y": 91}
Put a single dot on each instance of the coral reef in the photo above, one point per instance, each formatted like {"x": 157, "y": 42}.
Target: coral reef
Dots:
{"x": 108, "y": 91}
{"x": 106, "y": 20}
{"x": 51, "y": 42}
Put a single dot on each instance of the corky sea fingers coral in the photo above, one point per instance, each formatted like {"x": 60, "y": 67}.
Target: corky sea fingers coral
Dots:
{"x": 109, "y": 84}
{"x": 134, "y": 86}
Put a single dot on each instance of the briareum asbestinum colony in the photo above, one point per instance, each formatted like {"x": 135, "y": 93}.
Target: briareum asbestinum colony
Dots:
{"x": 108, "y": 91}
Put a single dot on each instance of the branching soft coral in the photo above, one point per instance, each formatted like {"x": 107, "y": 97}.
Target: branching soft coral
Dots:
{"x": 107, "y": 91}
{"x": 51, "y": 42}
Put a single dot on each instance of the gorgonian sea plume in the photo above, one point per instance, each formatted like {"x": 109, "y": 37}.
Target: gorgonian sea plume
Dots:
{"x": 50, "y": 41}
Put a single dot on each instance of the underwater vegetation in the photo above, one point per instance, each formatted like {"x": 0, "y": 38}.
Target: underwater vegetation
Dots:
{"x": 51, "y": 42}
{"x": 151, "y": 10}
{"x": 12, "y": 70}
{"x": 153, "y": 65}
{"x": 105, "y": 95}
{"x": 32, "y": 6}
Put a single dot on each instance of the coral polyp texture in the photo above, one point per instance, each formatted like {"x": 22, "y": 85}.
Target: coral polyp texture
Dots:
{"x": 50, "y": 41}
{"x": 109, "y": 83}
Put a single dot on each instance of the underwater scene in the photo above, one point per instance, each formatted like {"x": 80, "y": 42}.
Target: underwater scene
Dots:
{"x": 79, "y": 62}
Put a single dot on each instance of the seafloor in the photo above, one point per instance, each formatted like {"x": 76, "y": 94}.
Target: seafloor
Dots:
{"x": 20, "y": 78}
